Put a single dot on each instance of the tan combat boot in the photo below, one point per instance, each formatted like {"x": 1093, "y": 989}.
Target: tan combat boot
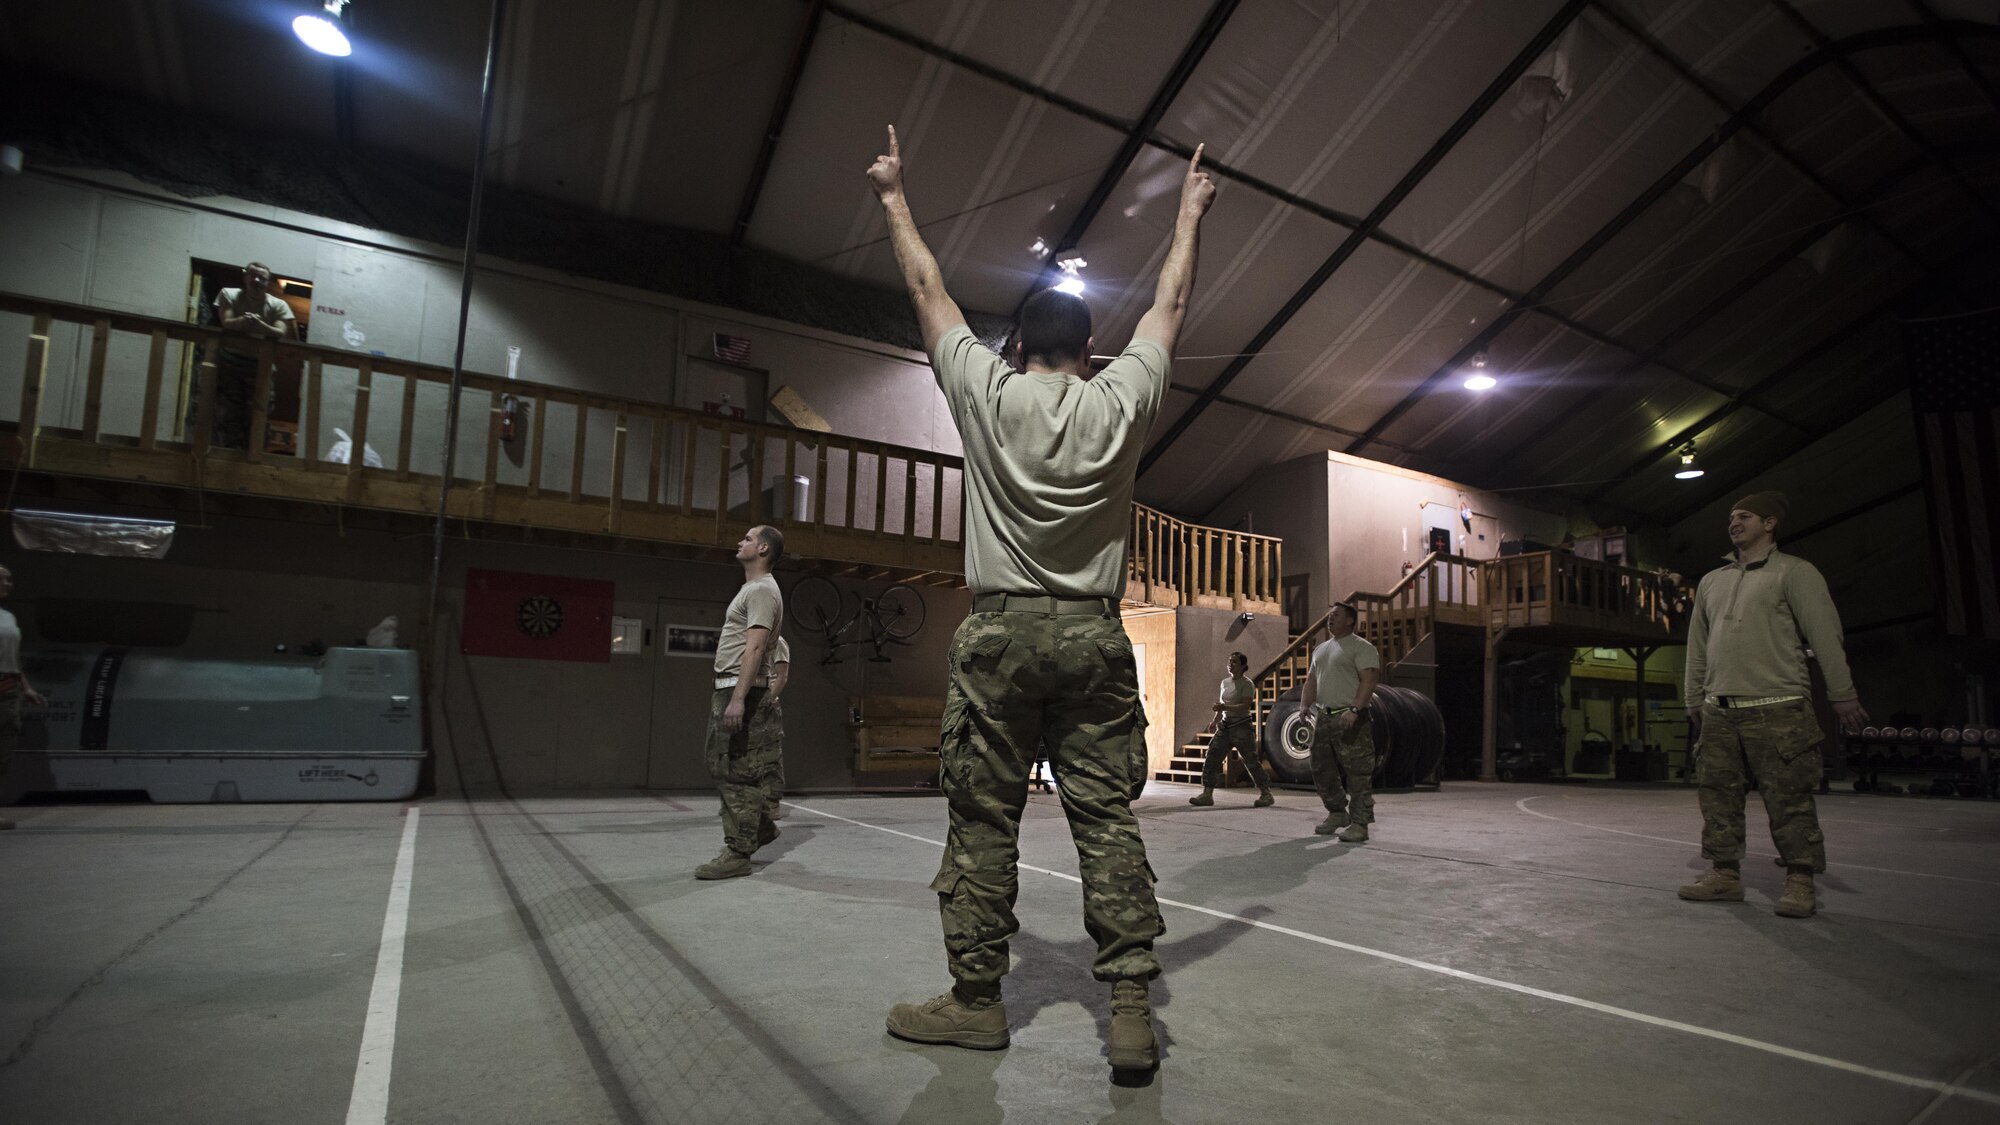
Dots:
{"x": 1334, "y": 822}
{"x": 1207, "y": 798}
{"x": 1357, "y": 833}
{"x": 1264, "y": 800}
{"x": 1721, "y": 884}
{"x": 1132, "y": 1044}
{"x": 1798, "y": 901}
{"x": 951, "y": 1021}
{"x": 727, "y": 865}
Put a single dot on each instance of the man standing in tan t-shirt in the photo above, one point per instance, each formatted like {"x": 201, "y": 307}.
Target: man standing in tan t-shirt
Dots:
{"x": 1051, "y": 454}
{"x": 1749, "y": 695}
{"x": 744, "y": 749}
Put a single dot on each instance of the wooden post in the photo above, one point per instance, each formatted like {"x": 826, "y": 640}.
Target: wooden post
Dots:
{"x": 687, "y": 466}
{"x": 722, "y": 481}
{"x": 792, "y": 515}
{"x": 1639, "y": 657}
{"x": 357, "y": 456}
{"x": 853, "y": 475}
{"x": 204, "y": 411}
{"x": 489, "y": 477}
{"x": 260, "y": 404}
{"x": 93, "y": 393}
{"x": 309, "y": 415}
{"x": 881, "y": 490}
{"x": 656, "y": 463}
{"x": 32, "y": 378}
{"x": 1489, "y": 742}
{"x": 617, "y": 508}
{"x": 753, "y": 473}
{"x": 407, "y": 433}
{"x": 535, "y": 445}
{"x": 909, "y": 500}
{"x": 156, "y": 366}
{"x": 576, "y": 451}
{"x": 937, "y": 501}
{"x": 819, "y": 487}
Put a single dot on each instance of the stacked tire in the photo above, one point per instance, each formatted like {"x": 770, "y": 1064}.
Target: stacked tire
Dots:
{"x": 1409, "y": 738}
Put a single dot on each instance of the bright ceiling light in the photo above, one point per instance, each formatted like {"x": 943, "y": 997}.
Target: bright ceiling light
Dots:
{"x": 1071, "y": 285}
{"x": 1689, "y": 470}
{"x": 1480, "y": 382}
{"x": 323, "y": 32}
{"x": 1072, "y": 282}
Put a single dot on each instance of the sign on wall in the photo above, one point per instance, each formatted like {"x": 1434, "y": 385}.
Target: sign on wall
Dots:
{"x": 539, "y": 616}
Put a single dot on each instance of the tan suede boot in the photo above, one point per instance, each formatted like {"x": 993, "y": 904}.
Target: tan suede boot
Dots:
{"x": 1356, "y": 833}
{"x": 1132, "y": 1044}
{"x": 1721, "y": 884}
{"x": 952, "y": 1021}
{"x": 1207, "y": 798}
{"x": 1334, "y": 822}
{"x": 1264, "y": 800}
{"x": 1798, "y": 901}
{"x": 727, "y": 865}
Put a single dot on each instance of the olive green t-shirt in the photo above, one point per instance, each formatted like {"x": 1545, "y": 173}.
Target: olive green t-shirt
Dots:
{"x": 1336, "y": 670}
{"x": 757, "y": 605}
{"x": 1049, "y": 465}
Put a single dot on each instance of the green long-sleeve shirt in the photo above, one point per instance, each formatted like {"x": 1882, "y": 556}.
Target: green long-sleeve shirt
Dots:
{"x": 1743, "y": 639}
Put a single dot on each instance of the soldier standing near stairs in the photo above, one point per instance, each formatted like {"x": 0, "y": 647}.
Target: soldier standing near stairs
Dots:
{"x": 1749, "y": 694}
{"x": 1051, "y": 455}
{"x": 1334, "y": 699}
{"x": 1234, "y": 728}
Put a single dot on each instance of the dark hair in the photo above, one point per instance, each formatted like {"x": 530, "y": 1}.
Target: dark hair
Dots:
{"x": 1054, "y": 328}
{"x": 772, "y": 538}
{"x": 1352, "y": 613}
{"x": 257, "y": 266}
{"x": 1236, "y": 656}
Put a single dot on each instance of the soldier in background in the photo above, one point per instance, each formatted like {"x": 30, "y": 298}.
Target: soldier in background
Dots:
{"x": 1234, "y": 729}
{"x": 1051, "y": 453}
{"x": 1345, "y": 669}
{"x": 1749, "y": 695}
{"x": 743, "y": 735}
{"x": 253, "y": 311}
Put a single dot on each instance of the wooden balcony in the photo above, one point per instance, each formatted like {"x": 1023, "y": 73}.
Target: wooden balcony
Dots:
{"x": 1556, "y": 598}
{"x": 579, "y": 463}
{"x": 1171, "y": 562}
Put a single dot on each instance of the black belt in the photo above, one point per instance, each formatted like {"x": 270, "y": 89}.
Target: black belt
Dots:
{"x": 1046, "y": 604}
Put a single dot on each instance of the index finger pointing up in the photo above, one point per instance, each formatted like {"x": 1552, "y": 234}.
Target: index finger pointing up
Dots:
{"x": 1194, "y": 162}
{"x": 893, "y": 150}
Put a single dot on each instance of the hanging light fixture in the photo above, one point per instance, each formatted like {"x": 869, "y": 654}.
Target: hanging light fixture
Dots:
{"x": 323, "y": 33}
{"x": 1479, "y": 380}
{"x": 1689, "y": 470}
{"x": 1072, "y": 282}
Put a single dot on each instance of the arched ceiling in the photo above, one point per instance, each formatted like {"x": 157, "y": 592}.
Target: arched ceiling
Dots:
{"x": 1656, "y": 220}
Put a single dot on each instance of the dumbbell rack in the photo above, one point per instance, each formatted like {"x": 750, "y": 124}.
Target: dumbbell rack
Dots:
{"x": 1960, "y": 759}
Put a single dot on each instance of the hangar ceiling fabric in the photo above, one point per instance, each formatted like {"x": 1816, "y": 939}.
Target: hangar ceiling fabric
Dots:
{"x": 1656, "y": 220}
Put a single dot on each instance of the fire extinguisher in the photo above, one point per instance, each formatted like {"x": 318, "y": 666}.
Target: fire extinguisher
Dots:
{"x": 510, "y": 417}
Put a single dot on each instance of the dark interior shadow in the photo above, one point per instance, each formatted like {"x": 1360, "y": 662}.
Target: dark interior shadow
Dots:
{"x": 1268, "y": 871}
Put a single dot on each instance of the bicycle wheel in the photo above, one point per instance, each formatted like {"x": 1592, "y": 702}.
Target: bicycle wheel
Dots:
{"x": 815, "y": 603}
{"x": 900, "y": 609}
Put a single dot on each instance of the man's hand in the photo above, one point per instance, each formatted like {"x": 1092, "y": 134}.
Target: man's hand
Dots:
{"x": 1694, "y": 717}
{"x": 886, "y": 174}
{"x": 35, "y": 698}
{"x": 1197, "y": 190}
{"x": 1851, "y": 715}
{"x": 1347, "y": 720}
{"x": 732, "y": 716}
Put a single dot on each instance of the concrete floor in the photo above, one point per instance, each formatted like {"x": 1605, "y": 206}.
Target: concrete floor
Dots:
{"x": 1497, "y": 953}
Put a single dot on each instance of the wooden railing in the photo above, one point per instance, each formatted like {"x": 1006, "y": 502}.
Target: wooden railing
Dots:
{"x": 1172, "y": 562}
{"x": 1559, "y": 588}
{"x": 578, "y": 462}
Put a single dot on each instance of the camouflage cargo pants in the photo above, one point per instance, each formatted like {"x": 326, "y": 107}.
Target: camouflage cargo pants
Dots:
{"x": 1019, "y": 680}
{"x": 1343, "y": 766}
{"x": 746, "y": 766}
{"x": 1777, "y": 745}
{"x": 1242, "y": 739}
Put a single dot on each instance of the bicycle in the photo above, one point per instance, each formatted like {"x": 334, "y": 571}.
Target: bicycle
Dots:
{"x": 892, "y": 617}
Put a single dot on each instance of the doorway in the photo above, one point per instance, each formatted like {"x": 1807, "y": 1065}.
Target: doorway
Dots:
{"x": 207, "y": 279}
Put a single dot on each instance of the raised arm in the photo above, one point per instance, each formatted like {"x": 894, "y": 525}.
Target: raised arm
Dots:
{"x": 1162, "y": 322}
{"x": 937, "y": 313}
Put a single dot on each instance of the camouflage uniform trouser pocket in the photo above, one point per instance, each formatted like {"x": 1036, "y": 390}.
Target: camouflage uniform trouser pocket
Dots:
{"x": 1778, "y": 746}
{"x": 746, "y": 766}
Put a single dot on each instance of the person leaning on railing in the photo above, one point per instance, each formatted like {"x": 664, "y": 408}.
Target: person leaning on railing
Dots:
{"x": 255, "y": 312}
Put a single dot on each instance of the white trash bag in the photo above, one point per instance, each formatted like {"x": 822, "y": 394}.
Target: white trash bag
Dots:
{"x": 383, "y": 635}
{"x": 343, "y": 449}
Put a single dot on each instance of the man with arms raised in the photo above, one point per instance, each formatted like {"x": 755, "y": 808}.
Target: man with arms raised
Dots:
{"x": 744, "y": 747}
{"x": 1051, "y": 452}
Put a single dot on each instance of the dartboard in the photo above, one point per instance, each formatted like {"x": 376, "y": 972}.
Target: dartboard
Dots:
{"x": 539, "y": 615}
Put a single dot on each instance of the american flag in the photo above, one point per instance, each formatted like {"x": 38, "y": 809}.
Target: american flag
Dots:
{"x": 732, "y": 349}
{"x": 1954, "y": 369}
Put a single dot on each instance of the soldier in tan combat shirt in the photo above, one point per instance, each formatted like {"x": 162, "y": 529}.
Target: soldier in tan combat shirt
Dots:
{"x": 1749, "y": 695}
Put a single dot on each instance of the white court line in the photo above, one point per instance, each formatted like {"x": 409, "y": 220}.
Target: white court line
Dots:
{"x": 1941, "y": 1088}
{"x": 369, "y": 1103}
{"x": 1522, "y": 805}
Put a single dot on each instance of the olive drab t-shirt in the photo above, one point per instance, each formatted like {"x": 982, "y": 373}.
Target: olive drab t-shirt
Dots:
{"x": 1049, "y": 465}
{"x": 758, "y": 603}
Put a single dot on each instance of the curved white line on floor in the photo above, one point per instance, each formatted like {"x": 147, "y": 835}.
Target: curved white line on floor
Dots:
{"x": 1522, "y": 805}
{"x": 1940, "y": 1088}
